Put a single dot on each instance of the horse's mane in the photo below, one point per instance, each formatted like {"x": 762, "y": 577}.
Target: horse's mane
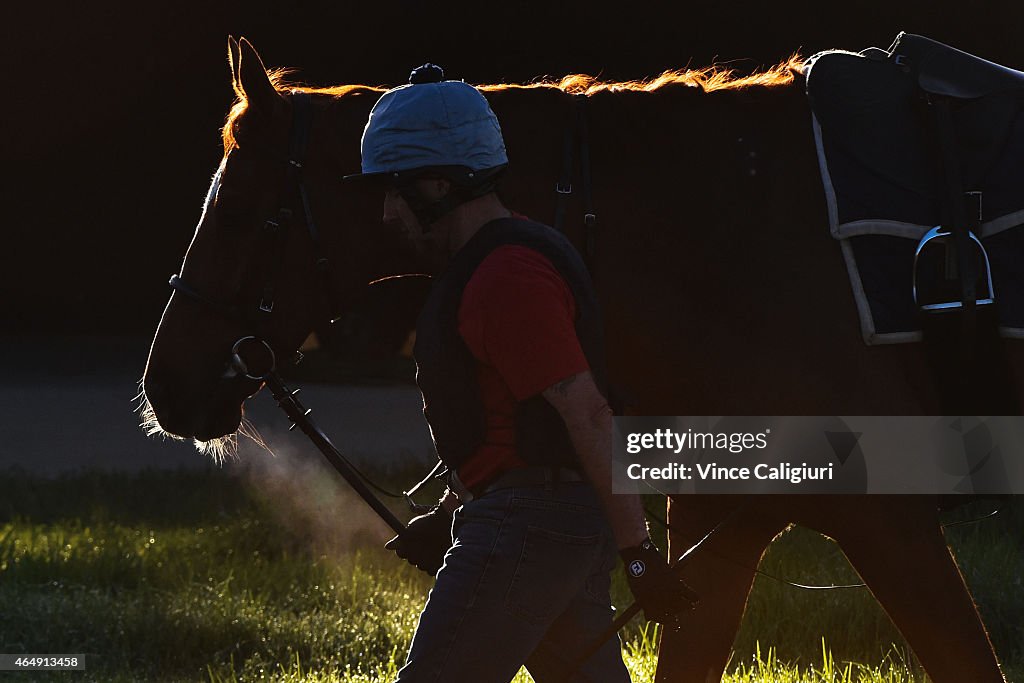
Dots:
{"x": 707, "y": 79}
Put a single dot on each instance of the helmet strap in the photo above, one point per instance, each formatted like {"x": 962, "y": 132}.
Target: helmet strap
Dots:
{"x": 460, "y": 191}
{"x": 429, "y": 212}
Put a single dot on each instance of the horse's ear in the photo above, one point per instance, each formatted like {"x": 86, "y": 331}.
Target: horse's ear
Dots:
{"x": 233, "y": 58}
{"x": 253, "y": 79}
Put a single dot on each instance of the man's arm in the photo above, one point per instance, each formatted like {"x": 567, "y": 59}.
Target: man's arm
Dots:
{"x": 658, "y": 590}
{"x": 589, "y": 421}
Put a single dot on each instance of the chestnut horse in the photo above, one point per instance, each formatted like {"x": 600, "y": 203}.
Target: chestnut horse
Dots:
{"x": 722, "y": 290}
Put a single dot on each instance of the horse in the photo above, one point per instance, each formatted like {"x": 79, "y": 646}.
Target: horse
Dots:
{"x": 722, "y": 291}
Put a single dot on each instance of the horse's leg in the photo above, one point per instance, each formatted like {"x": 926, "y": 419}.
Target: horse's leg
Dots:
{"x": 896, "y": 545}
{"x": 699, "y": 651}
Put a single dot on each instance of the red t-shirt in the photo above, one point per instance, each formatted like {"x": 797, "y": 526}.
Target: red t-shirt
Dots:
{"x": 517, "y": 316}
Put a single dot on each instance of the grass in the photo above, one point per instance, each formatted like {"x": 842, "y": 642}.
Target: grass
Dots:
{"x": 201, "y": 576}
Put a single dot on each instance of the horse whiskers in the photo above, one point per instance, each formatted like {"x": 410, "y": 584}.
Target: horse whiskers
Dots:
{"x": 147, "y": 419}
{"x": 249, "y": 431}
{"x": 147, "y": 416}
{"x": 219, "y": 449}
{"x": 225, "y": 447}
{"x": 141, "y": 396}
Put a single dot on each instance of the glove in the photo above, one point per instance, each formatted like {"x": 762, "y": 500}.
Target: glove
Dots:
{"x": 424, "y": 541}
{"x": 658, "y": 590}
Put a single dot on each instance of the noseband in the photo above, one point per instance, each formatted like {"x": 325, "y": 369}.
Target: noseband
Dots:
{"x": 275, "y": 233}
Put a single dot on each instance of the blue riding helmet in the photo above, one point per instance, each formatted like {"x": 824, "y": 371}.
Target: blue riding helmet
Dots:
{"x": 431, "y": 123}
{"x": 433, "y": 128}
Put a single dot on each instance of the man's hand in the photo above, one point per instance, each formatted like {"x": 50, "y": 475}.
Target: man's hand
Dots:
{"x": 657, "y": 589}
{"x": 425, "y": 540}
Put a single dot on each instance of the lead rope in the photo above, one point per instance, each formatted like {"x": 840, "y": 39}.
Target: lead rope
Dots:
{"x": 419, "y": 508}
{"x": 299, "y": 415}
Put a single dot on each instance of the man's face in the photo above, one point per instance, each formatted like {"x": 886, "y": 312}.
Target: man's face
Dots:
{"x": 431, "y": 246}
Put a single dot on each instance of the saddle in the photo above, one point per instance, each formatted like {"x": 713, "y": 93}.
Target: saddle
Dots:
{"x": 944, "y": 70}
{"x": 918, "y": 145}
{"x": 873, "y": 104}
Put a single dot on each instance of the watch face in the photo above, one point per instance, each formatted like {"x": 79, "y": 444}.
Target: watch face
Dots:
{"x": 637, "y": 568}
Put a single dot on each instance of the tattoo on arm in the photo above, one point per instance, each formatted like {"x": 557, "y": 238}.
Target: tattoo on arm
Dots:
{"x": 562, "y": 388}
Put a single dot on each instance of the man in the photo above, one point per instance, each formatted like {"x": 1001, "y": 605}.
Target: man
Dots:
{"x": 510, "y": 362}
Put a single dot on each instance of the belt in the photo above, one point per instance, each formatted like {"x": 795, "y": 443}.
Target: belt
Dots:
{"x": 534, "y": 476}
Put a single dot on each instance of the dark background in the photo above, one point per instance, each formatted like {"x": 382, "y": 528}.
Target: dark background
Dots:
{"x": 111, "y": 111}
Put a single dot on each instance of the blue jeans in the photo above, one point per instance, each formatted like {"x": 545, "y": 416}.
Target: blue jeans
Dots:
{"x": 525, "y": 582}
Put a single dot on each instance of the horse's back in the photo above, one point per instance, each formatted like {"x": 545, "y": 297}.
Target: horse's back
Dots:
{"x": 723, "y": 290}
{"x": 725, "y": 294}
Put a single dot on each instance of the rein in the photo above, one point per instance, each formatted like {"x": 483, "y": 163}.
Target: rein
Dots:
{"x": 252, "y": 356}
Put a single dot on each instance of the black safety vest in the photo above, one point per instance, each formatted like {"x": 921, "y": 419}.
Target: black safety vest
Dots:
{"x": 446, "y": 369}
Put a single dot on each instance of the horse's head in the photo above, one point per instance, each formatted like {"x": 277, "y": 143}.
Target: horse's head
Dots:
{"x": 281, "y": 242}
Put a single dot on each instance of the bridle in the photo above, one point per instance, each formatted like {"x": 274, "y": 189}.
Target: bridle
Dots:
{"x": 275, "y": 234}
{"x": 252, "y": 356}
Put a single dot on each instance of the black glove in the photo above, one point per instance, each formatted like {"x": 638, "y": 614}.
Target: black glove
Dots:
{"x": 658, "y": 590}
{"x": 425, "y": 540}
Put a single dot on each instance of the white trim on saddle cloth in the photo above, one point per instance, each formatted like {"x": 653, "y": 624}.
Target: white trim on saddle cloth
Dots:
{"x": 842, "y": 232}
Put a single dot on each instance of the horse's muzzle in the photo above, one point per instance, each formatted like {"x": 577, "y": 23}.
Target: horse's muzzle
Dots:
{"x": 203, "y": 415}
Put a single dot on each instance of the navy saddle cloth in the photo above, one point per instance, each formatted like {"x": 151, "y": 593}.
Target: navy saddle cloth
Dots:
{"x": 880, "y": 165}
